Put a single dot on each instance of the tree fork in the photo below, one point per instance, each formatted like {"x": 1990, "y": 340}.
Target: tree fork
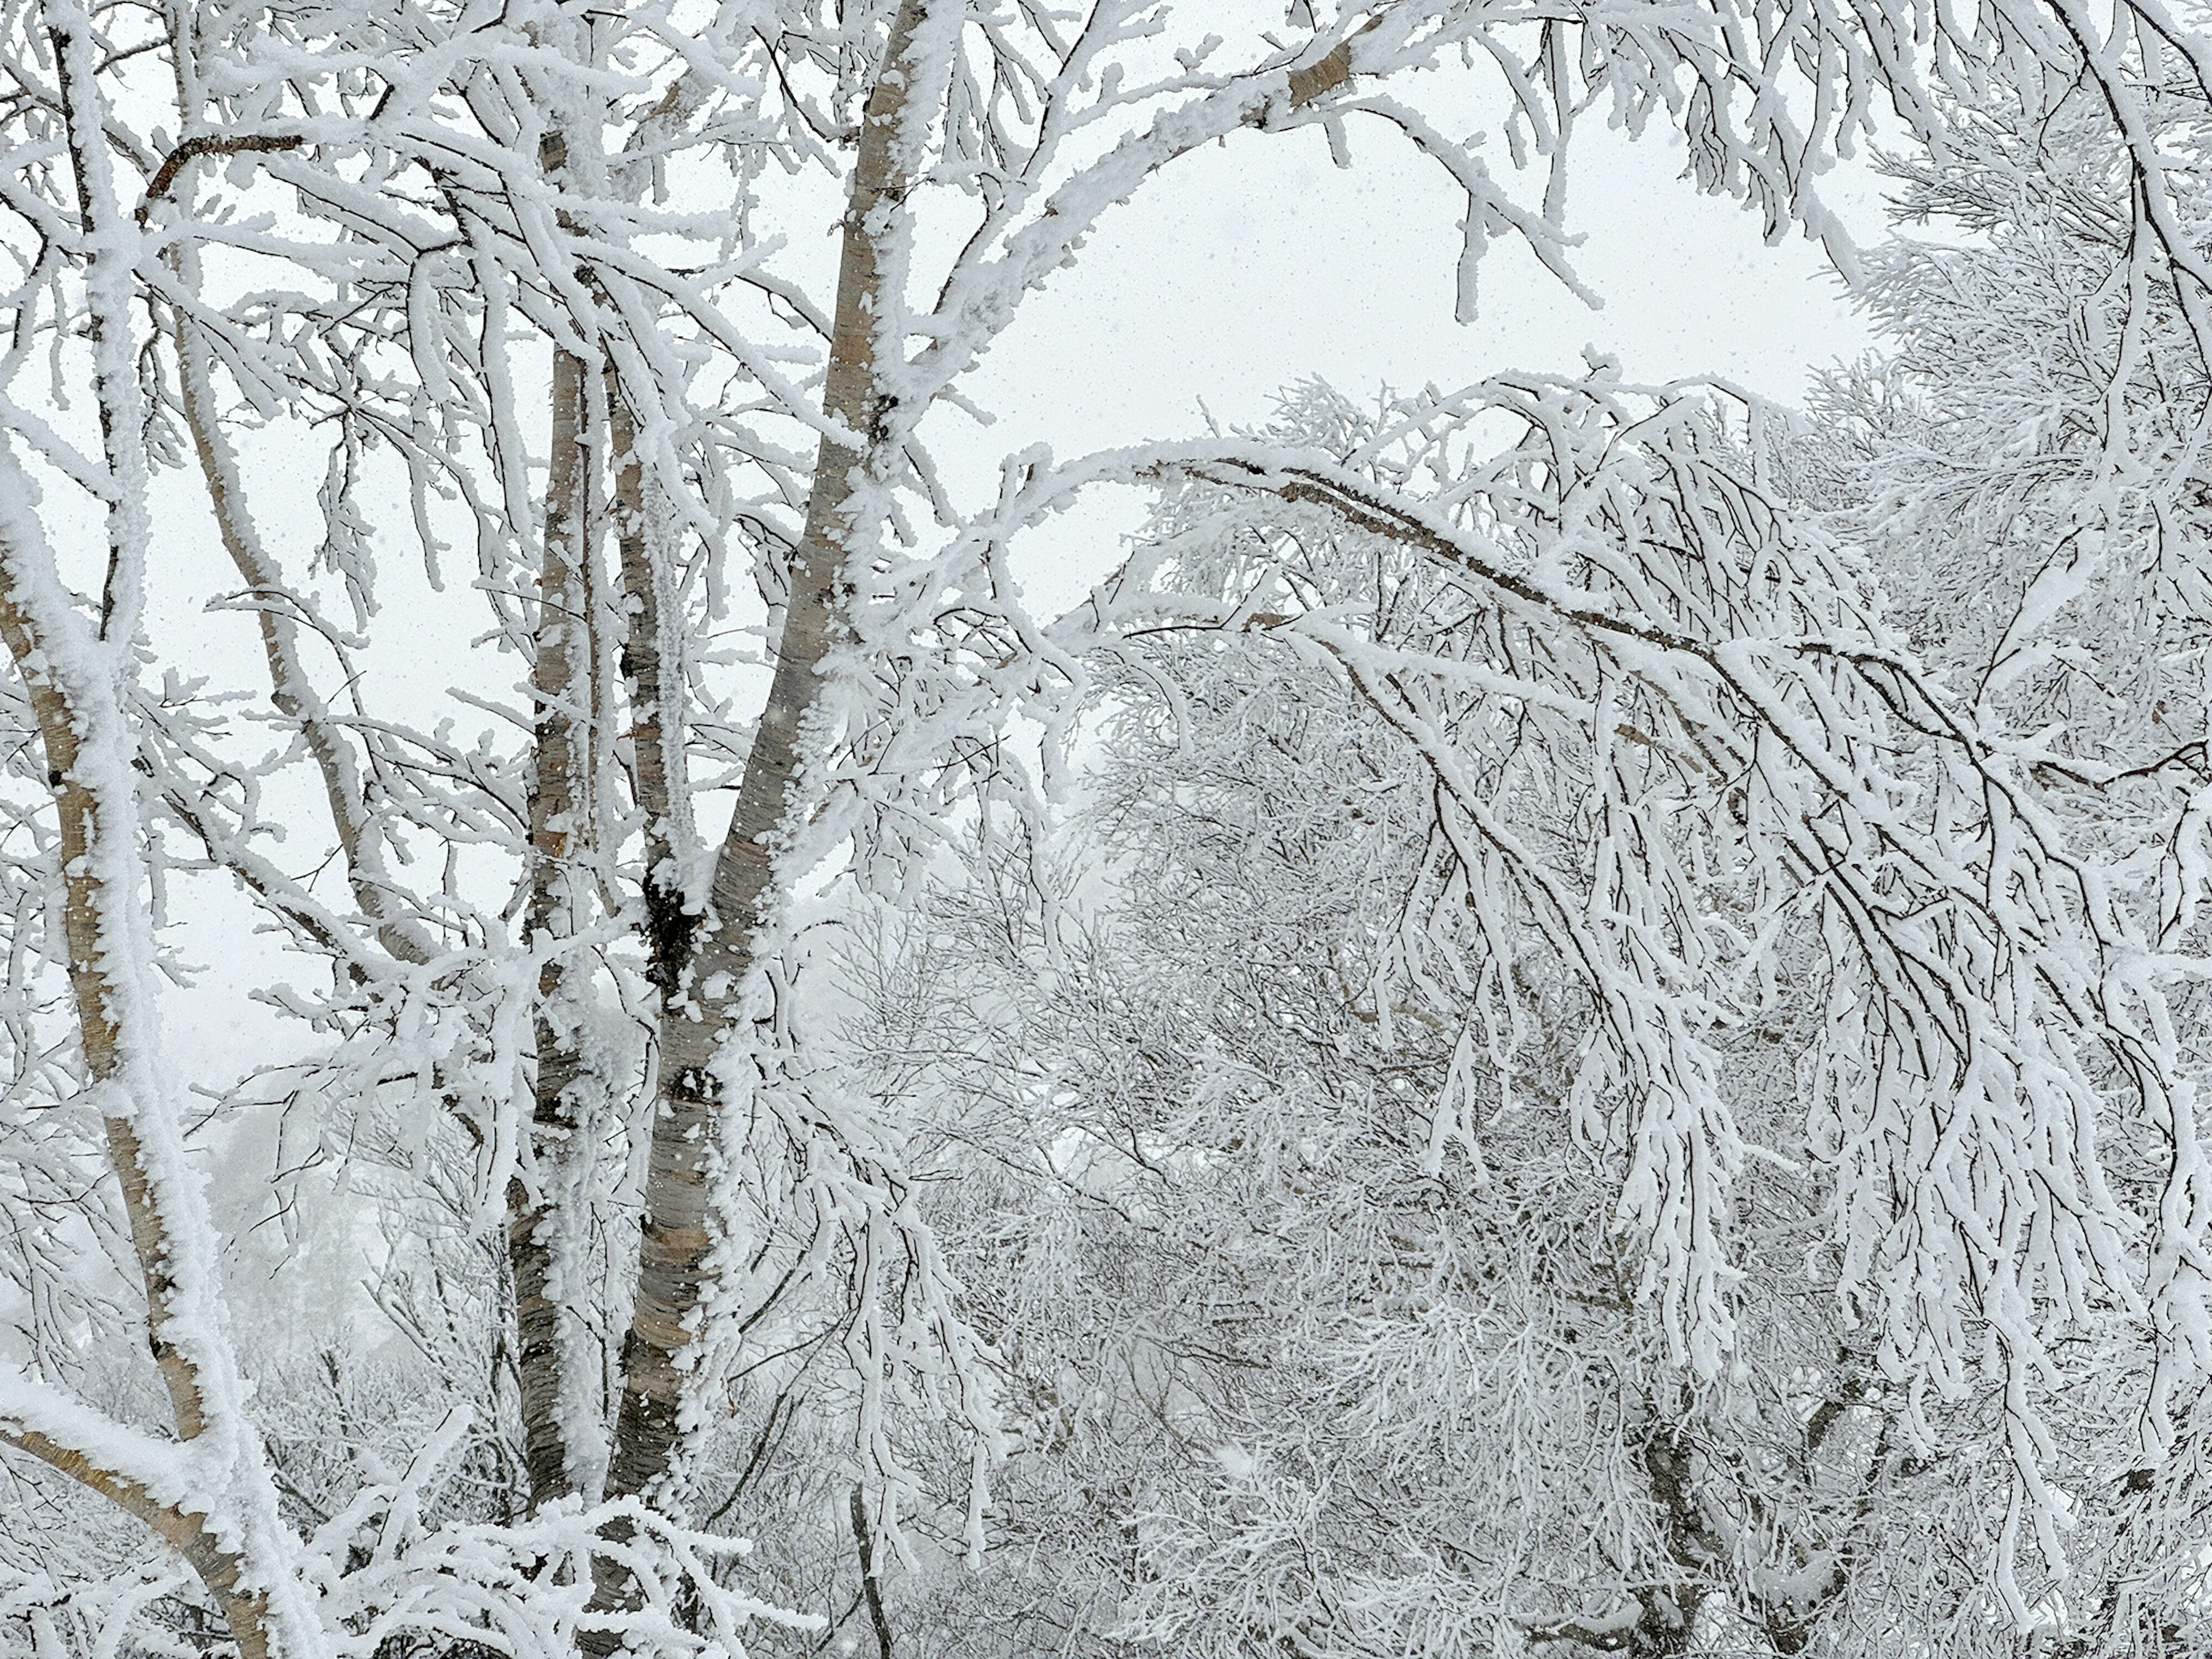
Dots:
{"x": 698, "y": 1004}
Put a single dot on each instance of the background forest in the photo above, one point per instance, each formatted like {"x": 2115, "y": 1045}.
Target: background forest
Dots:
{"x": 1563, "y": 1017}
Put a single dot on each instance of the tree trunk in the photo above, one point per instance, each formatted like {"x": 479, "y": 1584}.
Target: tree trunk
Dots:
{"x": 656, "y": 706}
{"x": 698, "y": 1006}
{"x": 98, "y": 855}
{"x": 538, "y": 1219}
{"x": 183, "y": 1530}
{"x": 77, "y": 685}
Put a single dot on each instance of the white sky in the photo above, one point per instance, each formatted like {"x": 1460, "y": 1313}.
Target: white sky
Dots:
{"x": 1241, "y": 270}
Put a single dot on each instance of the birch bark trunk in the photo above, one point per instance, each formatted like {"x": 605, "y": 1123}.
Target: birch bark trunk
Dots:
{"x": 78, "y": 680}
{"x": 559, "y": 806}
{"x": 99, "y": 825}
{"x": 706, "y": 966}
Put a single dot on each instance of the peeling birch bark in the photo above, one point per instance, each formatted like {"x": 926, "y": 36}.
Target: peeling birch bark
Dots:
{"x": 185, "y": 1531}
{"x": 99, "y": 825}
{"x": 656, "y": 706}
{"x": 78, "y": 680}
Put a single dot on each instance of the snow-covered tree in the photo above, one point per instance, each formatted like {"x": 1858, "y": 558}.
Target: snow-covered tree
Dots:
{"x": 1327, "y": 1203}
{"x": 536, "y": 280}
{"x": 2024, "y": 465}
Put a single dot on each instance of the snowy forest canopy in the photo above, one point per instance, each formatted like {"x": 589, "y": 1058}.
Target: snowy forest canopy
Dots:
{"x": 1561, "y": 1018}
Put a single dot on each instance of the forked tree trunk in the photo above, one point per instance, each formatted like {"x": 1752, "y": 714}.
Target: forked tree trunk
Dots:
{"x": 699, "y": 1002}
{"x": 703, "y": 966}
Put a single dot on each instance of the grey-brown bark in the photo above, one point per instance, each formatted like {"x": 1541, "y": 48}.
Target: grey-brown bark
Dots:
{"x": 558, "y": 806}
{"x": 856, "y": 1507}
{"x": 88, "y": 805}
{"x": 83, "y": 818}
{"x": 655, "y": 706}
{"x": 186, "y": 1531}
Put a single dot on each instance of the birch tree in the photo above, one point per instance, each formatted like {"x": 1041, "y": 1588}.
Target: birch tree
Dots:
{"x": 539, "y": 275}
{"x": 1373, "y": 1357}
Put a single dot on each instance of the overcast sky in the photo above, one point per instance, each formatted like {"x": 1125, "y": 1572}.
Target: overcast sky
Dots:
{"x": 1240, "y": 269}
